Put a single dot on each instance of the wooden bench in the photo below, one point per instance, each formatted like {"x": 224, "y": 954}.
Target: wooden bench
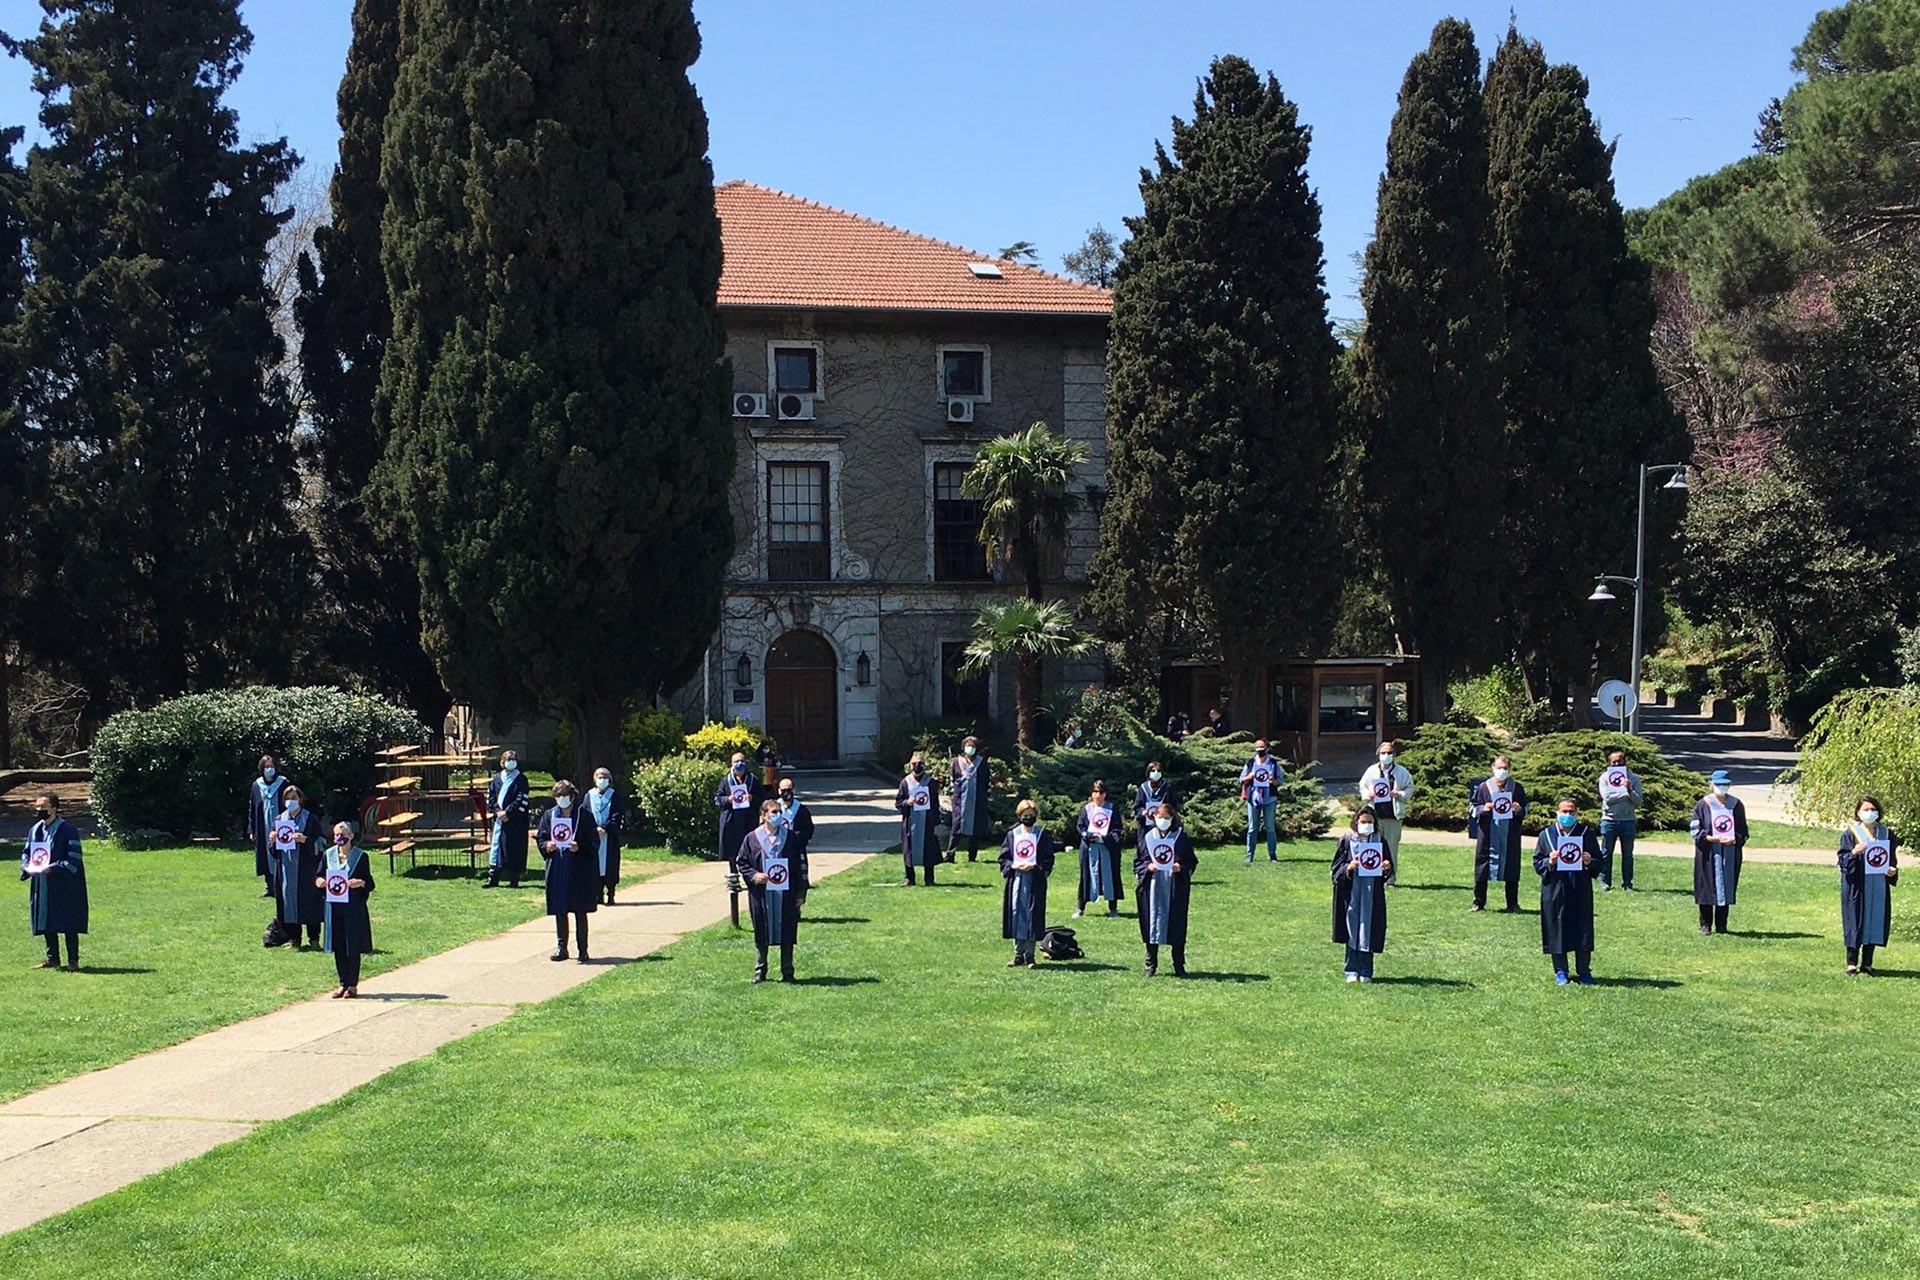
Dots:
{"x": 397, "y": 849}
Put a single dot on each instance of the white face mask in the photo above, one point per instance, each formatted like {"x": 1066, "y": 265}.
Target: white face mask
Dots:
{"x": 601, "y": 784}
{"x": 1721, "y": 789}
{"x": 565, "y": 802}
{"x": 1154, "y": 776}
{"x": 1501, "y": 775}
{"x": 1164, "y": 824}
{"x": 1386, "y": 761}
{"x": 968, "y": 749}
{"x": 510, "y": 768}
{"x": 1869, "y": 816}
{"x": 1365, "y": 828}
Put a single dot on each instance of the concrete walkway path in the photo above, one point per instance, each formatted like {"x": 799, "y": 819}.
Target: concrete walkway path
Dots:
{"x": 82, "y": 1138}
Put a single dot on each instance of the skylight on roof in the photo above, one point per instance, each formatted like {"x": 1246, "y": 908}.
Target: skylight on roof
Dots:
{"x": 984, "y": 270}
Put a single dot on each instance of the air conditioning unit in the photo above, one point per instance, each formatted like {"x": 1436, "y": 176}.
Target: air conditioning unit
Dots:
{"x": 748, "y": 405}
{"x": 793, "y": 407}
{"x": 958, "y": 410}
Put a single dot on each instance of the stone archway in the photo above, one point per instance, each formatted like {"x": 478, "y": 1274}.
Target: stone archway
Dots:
{"x": 803, "y": 696}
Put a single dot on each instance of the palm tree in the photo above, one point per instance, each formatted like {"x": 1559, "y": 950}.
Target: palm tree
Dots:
{"x": 1029, "y": 632}
{"x": 1022, "y": 479}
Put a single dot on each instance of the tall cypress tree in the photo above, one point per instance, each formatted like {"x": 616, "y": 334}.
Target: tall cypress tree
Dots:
{"x": 1221, "y": 392}
{"x": 1582, "y": 405}
{"x": 555, "y": 387}
{"x": 163, "y": 544}
{"x": 344, "y": 325}
{"x": 14, "y": 487}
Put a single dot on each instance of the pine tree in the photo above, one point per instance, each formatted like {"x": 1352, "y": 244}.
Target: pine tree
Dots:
{"x": 368, "y": 574}
{"x": 14, "y": 487}
{"x": 1221, "y": 393}
{"x": 555, "y": 386}
{"x": 1426, "y": 387}
{"x": 1582, "y": 406}
{"x": 163, "y": 543}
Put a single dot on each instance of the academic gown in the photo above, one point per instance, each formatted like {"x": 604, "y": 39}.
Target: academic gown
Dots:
{"x": 263, "y": 806}
{"x": 1023, "y": 903}
{"x": 1147, "y": 798}
{"x": 57, "y": 897}
{"x": 573, "y": 875}
{"x": 511, "y": 803}
{"x": 296, "y": 899}
{"x": 1494, "y": 860}
{"x": 606, "y": 860}
{"x": 1716, "y": 867}
{"x": 917, "y": 843}
{"x": 735, "y": 822}
{"x": 1566, "y": 897}
{"x": 968, "y": 796}
{"x": 349, "y": 929}
{"x": 1866, "y": 902}
{"x": 776, "y": 912}
{"x": 1359, "y": 902}
{"x": 799, "y": 829}
{"x": 1164, "y": 895}
{"x": 1099, "y": 855}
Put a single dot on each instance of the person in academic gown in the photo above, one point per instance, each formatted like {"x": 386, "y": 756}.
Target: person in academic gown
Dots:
{"x": 1149, "y": 796}
{"x": 1360, "y": 901}
{"x": 56, "y": 897}
{"x": 1866, "y": 899}
{"x": 918, "y": 801}
{"x": 1023, "y": 904}
{"x": 509, "y": 800}
{"x": 1566, "y": 894}
{"x": 349, "y": 932}
{"x": 1719, "y": 830}
{"x": 1497, "y": 807}
{"x": 968, "y": 798}
{"x": 1098, "y": 826}
{"x": 773, "y": 862}
{"x": 298, "y": 903}
{"x": 573, "y": 868}
{"x": 734, "y": 798}
{"x": 607, "y": 813}
{"x": 799, "y": 827}
{"x": 1163, "y": 865}
{"x": 263, "y": 806}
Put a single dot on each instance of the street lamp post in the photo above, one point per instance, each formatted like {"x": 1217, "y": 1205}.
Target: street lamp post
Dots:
{"x": 1676, "y": 473}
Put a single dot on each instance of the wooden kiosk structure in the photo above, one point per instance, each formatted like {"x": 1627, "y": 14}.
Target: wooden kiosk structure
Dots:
{"x": 429, "y": 807}
{"x": 1326, "y": 709}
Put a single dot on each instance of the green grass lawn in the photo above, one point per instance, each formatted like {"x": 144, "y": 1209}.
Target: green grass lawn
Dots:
{"x": 175, "y": 951}
{"x": 1732, "y": 1106}
{"x": 1763, "y": 833}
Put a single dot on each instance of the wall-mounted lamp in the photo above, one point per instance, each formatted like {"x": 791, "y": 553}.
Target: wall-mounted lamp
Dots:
{"x": 743, "y": 671}
{"x": 863, "y": 669}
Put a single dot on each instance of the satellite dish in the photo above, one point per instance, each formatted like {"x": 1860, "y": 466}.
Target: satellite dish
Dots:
{"x": 1617, "y": 699}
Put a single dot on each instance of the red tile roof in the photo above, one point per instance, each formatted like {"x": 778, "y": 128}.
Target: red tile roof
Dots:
{"x": 786, "y": 252}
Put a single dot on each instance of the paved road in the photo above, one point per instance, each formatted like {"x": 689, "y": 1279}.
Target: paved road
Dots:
{"x": 1754, "y": 757}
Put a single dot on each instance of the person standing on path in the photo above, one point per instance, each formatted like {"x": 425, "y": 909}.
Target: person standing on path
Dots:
{"x": 1386, "y": 787}
{"x": 967, "y": 795}
{"x": 1360, "y": 869}
{"x": 573, "y": 873}
{"x": 56, "y": 879}
{"x": 609, "y": 814}
{"x": 1566, "y": 857}
{"x": 1719, "y": 830}
{"x": 918, "y": 801}
{"x": 1621, "y": 795}
{"x": 1259, "y": 782}
{"x": 263, "y": 805}
{"x": 774, "y": 864}
{"x": 1497, "y": 808}
{"x": 1163, "y": 867}
{"x": 1026, "y": 860}
{"x": 1869, "y": 868}
{"x": 345, "y": 881}
{"x": 509, "y": 799}
{"x": 1098, "y": 827}
{"x": 734, "y": 799}
{"x": 297, "y": 845}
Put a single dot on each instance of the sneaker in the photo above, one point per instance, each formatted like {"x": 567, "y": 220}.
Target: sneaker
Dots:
{"x": 1605, "y": 887}
{"x": 1078, "y": 914}
{"x": 1476, "y": 907}
{"x": 1353, "y": 977}
{"x": 1559, "y": 978}
{"x": 1585, "y": 980}
{"x": 1365, "y": 979}
{"x": 1249, "y": 859}
{"x": 1853, "y": 970}
{"x": 758, "y": 977}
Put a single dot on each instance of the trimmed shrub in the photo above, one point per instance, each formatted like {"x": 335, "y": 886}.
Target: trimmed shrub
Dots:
{"x": 651, "y": 733}
{"x": 717, "y": 741}
{"x": 182, "y": 767}
{"x": 675, "y": 793}
{"x": 1864, "y": 742}
{"x": 937, "y": 740}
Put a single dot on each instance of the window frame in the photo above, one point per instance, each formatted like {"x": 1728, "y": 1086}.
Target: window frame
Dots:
{"x": 985, "y": 572}
{"x": 824, "y": 470}
{"x": 985, "y": 394}
{"x": 775, "y": 347}
{"x": 984, "y": 681}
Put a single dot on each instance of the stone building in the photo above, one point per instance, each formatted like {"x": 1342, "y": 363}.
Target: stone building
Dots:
{"x": 869, "y": 363}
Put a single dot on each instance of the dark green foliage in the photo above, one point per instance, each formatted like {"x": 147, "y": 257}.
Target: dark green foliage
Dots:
{"x": 161, "y": 538}
{"x": 14, "y": 454}
{"x": 1426, "y": 386}
{"x": 1220, "y": 392}
{"x": 1094, "y": 261}
{"x": 1853, "y": 125}
{"x": 675, "y": 795}
{"x": 182, "y": 766}
{"x": 646, "y": 734}
{"x": 555, "y": 389}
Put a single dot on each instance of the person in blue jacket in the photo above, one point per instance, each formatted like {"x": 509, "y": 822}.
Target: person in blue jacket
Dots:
{"x": 56, "y": 882}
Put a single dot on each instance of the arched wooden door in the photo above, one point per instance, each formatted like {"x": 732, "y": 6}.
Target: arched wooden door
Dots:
{"x": 803, "y": 697}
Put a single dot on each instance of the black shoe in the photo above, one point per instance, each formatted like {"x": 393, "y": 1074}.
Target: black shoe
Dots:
{"x": 514, "y": 884}
{"x": 1476, "y": 907}
{"x": 1113, "y": 911}
{"x": 1179, "y": 971}
{"x": 1273, "y": 857}
{"x": 585, "y": 959}
{"x": 1149, "y": 969}
{"x": 787, "y": 976}
{"x": 559, "y": 953}
{"x": 1016, "y": 962}
{"x": 1720, "y": 929}
{"x": 491, "y": 882}
{"x": 759, "y": 976}
{"x": 973, "y": 857}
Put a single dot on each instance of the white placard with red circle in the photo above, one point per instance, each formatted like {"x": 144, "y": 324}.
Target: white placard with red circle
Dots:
{"x": 919, "y": 796}
{"x": 336, "y": 883}
{"x": 1160, "y": 854}
{"x": 1501, "y": 805}
{"x": 1099, "y": 821}
{"x": 1877, "y": 857}
{"x": 39, "y": 857}
{"x": 561, "y": 832}
{"x": 1567, "y": 853}
{"x": 777, "y": 872}
{"x": 1026, "y": 852}
{"x": 1721, "y": 819}
{"x": 1382, "y": 790}
{"x": 1369, "y": 858}
{"x": 1614, "y": 783}
{"x": 740, "y": 795}
{"x": 283, "y": 833}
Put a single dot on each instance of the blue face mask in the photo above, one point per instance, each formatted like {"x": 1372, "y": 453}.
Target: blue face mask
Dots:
{"x": 268, "y": 773}
{"x": 1568, "y": 819}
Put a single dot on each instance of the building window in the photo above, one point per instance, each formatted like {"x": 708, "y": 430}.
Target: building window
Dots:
{"x": 1348, "y": 708}
{"x": 964, "y": 696}
{"x": 796, "y": 370}
{"x": 798, "y": 546}
{"x": 964, "y": 373}
{"x": 1290, "y": 703}
{"x": 958, "y": 555}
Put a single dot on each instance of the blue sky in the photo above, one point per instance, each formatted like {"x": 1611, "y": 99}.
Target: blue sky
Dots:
{"x": 997, "y": 120}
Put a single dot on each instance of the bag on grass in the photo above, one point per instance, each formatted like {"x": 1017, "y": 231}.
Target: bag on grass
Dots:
{"x": 1058, "y": 944}
{"x": 275, "y": 936}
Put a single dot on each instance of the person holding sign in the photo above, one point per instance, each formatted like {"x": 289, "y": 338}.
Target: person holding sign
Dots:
{"x": 1361, "y": 865}
{"x": 1163, "y": 883}
{"x": 1150, "y": 795}
{"x": 573, "y": 869}
{"x": 1026, "y": 860}
{"x": 608, "y": 813}
{"x": 1099, "y": 831}
{"x": 1259, "y": 782}
{"x": 263, "y": 803}
{"x": 799, "y": 823}
{"x": 1719, "y": 829}
{"x": 918, "y": 801}
{"x": 345, "y": 880}
{"x": 1869, "y": 868}
{"x": 1496, "y": 809}
{"x": 1621, "y": 794}
{"x": 773, "y": 862}
{"x": 509, "y": 799}
{"x": 1566, "y": 857}
{"x": 734, "y": 799}
{"x": 56, "y": 882}
{"x": 1386, "y": 787}
{"x": 968, "y": 796}
{"x": 297, "y": 844}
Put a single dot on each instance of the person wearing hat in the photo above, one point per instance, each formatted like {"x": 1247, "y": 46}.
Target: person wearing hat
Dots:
{"x": 1719, "y": 830}
{"x": 1869, "y": 868}
{"x": 967, "y": 795}
{"x": 918, "y": 801}
{"x": 1566, "y": 857}
{"x": 56, "y": 882}
{"x": 1026, "y": 860}
{"x": 1260, "y": 781}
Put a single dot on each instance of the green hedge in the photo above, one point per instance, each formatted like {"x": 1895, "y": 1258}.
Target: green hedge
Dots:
{"x": 183, "y": 767}
{"x": 1444, "y": 759}
{"x": 715, "y": 740}
{"x": 675, "y": 793}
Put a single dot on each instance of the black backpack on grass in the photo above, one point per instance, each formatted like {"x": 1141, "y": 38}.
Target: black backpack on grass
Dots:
{"x": 1058, "y": 944}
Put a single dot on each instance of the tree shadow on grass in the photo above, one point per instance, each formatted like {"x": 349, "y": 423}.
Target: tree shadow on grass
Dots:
{"x": 1763, "y": 933}
{"x": 1656, "y": 984}
{"x": 1419, "y": 980}
{"x": 446, "y": 871}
